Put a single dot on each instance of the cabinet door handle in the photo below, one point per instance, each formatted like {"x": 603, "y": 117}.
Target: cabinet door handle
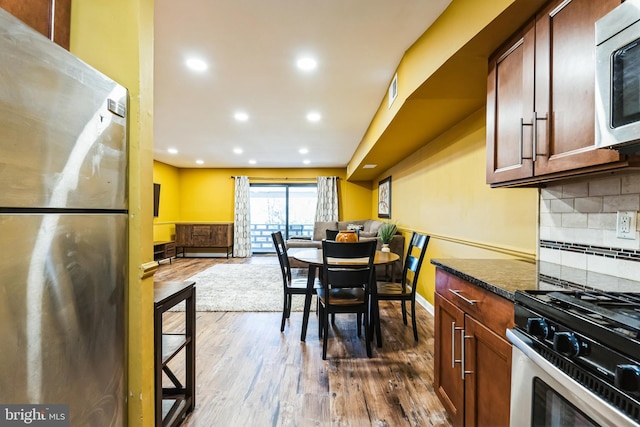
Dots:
{"x": 521, "y": 139}
{"x": 535, "y": 135}
{"x": 465, "y": 299}
{"x": 463, "y": 337}
{"x": 453, "y": 345}
{"x": 522, "y": 125}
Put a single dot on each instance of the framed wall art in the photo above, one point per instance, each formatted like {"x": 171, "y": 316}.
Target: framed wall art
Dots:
{"x": 384, "y": 198}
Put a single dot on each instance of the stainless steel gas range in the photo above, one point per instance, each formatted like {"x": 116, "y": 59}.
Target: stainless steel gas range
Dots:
{"x": 576, "y": 359}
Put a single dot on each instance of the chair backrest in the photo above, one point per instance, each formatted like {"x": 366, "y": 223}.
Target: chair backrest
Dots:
{"x": 412, "y": 263}
{"x": 355, "y": 267}
{"x": 283, "y": 258}
{"x": 331, "y": 234}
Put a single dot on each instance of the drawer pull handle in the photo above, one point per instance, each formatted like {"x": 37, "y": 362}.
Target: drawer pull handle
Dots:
{"x": 465, "y": 299}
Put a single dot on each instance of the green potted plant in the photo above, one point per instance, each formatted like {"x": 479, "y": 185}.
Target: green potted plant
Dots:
{"x": 386, "y": 233}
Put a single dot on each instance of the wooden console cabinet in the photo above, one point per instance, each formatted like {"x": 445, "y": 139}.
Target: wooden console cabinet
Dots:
{"x": 172, "y": 404}
{"x": 472, "y": 367}
{"x": 192, "y": 236}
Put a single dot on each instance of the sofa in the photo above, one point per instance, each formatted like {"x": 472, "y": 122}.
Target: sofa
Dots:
{"x": 368, "y": 230}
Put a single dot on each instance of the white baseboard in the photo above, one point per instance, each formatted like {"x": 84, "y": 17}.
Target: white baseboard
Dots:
{"x": 424, "y": 303}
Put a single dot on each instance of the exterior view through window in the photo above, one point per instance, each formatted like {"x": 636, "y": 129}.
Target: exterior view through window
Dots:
{"x": 290, "y": 208}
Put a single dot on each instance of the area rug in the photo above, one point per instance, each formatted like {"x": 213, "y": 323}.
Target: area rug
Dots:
{"x": 242, "y": 287}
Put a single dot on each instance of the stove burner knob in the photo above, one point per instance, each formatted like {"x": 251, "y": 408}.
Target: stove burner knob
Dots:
{"x": 628, "y": 377}
{"x": 566, "y": 343}
{"x": 538, "y": 327}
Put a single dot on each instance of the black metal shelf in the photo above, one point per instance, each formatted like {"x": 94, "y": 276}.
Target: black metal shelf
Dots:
{"x": 174, "y": 403}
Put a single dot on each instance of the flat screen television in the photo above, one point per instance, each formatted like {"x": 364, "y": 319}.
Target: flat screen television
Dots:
{"x": 156, "y": 199}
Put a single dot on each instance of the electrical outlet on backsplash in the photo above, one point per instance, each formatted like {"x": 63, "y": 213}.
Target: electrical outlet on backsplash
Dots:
{"x": 577, "y": 225}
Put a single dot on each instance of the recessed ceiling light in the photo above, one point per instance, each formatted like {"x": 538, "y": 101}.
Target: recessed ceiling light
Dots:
{"x": 237, "y": 150}
{"x": 252, "y": 162}
{"x": 196, "y": 64}
{"x": 172, "y": 151}
{"x": 307, "y": 63}
{"x": 303, "y": 150}
{"x": 306, "y": 161}
{"x": 200, "y": 162}
{"x": 369, "y": 166}
{"x": 241, "y": 116}
{"x": 314, "y": 116}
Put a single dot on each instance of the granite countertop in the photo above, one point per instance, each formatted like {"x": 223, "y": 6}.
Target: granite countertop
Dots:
{"x": 500, "y": 276}
{"x": 505, "y": 276}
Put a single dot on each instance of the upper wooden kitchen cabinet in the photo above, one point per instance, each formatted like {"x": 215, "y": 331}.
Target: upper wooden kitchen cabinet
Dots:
{"x": 540, "y": 98}
{"x": 51, "y": 18}
{"x": 472, "y": 367}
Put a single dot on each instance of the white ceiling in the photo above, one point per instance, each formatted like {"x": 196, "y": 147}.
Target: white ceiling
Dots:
{"x": 251, "y": 47}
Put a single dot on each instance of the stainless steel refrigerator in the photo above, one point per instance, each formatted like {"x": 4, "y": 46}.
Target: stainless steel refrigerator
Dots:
{"x": 63, "y": 230}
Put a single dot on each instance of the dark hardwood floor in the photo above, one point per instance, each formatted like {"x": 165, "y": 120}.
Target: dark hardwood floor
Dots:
{"x": 251, "y": 374}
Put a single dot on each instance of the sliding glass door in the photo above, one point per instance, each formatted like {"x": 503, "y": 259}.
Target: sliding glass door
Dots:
{"x": 289, "y": 208}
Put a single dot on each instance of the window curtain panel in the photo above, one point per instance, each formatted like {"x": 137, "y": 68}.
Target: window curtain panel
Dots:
{"x": 241, "y": 223}
{"x": 327, "y": 205}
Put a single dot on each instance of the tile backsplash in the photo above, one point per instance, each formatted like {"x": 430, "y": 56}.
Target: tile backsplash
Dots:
{"x": 577, "y": 225}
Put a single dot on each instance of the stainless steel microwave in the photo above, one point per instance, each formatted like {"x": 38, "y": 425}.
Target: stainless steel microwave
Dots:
{"x": 617, "y": 100}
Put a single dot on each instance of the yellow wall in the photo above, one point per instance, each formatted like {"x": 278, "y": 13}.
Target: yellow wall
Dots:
{"x": 116, "y": 37}
{"x": 440, "y": 190}
{"x": 169, "y": 210}
{"x": 207, "y": 194}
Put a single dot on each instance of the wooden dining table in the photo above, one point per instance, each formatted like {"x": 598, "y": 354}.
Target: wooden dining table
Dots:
{"x": 313, "y": 257}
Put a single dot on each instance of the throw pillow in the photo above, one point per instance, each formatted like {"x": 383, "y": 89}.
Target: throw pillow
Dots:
{"x": 374, "y": 226}
{"x": 355, "y": 227}
{"x": 368, "y": 234}
{"x": 320, "y": 229}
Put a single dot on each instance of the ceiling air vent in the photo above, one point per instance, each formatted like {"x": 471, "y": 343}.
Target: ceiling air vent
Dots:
{"x": 393, "y": 90}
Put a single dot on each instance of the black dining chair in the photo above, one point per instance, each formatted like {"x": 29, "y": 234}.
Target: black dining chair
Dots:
{"x": 291, "y": 286}
{"x": 405, "y": 291}
{"x": 331, "y": 234}
{"x": 348, "y": 272}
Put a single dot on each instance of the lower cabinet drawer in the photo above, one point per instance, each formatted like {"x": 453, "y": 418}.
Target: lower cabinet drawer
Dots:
{"x": 201, "y": 231}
